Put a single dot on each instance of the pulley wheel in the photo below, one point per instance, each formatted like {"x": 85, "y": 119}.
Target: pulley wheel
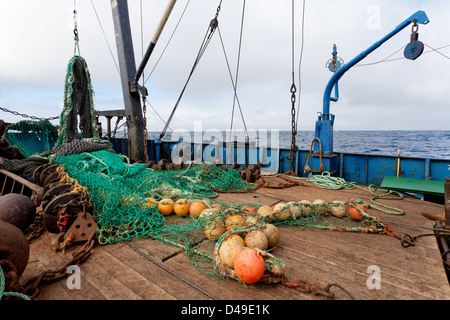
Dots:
{"x": 413, "y": 50}
{"x": 50, "y": 223}
{"x": 46, "y": 172}
{"x": 55, "y": 191}
{"x": 58, "y": 202}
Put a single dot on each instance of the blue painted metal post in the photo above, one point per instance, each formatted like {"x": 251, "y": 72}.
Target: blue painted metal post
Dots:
{"x": 324, "y": 125}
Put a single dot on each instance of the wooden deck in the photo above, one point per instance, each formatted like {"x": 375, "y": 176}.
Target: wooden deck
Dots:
{"x": 144, "y": 269}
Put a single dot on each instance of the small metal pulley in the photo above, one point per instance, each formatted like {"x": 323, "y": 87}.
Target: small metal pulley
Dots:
{"x": 415, "y": 47}
{"x": 335, "y": 63}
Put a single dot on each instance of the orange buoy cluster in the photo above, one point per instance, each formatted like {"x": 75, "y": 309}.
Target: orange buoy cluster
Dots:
{"x": 180, "y": 207}
{"x": 244, "y": 236}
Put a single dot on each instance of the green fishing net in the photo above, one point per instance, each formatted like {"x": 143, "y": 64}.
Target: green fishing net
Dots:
{"x": 32, "y": 137}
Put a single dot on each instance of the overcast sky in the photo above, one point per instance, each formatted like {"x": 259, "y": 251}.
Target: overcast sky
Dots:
{"x": 37, "y": 44}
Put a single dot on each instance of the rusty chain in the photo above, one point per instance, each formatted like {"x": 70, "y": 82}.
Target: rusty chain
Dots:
{"x": 294, "y": 126}
{"x": 304, "y": 286}
{"x": 24, "y": 115}
{"x": 31, "y": 287}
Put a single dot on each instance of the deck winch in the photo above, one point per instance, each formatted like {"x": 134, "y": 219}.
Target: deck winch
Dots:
{"x": 323, "y": 151}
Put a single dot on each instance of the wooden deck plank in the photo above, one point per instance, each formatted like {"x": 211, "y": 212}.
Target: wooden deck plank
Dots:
{"x": 314, "y": 254}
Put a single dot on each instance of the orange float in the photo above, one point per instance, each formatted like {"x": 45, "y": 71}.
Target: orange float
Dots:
{"x": 181, "y": 207}
{"x": 196, "y": 208}
{"x": 165, "y": 206}
{"x": 249, "y": 266}
{"x": 217, "y": 207}
{"x": 150, "y": 202}
{"x": 354, "y": 213}
{"x": 247, "y": 210}
{"x": 235, "y": 222}
{"x": 236, "y": 237}
{"x": 229, "y": 212}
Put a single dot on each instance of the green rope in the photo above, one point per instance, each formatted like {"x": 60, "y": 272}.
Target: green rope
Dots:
{"x": 9, "y": 294}
{"x": 326, "y": 181}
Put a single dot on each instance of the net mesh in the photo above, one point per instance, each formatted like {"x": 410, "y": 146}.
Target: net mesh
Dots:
{"x": 32, "y": 137}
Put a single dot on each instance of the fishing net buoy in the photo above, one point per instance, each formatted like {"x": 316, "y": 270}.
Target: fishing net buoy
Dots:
{"x": 213, "y": 225}
{"x": 196, "y": 208}
{"x": 282, "y": 211}
{"x": 150, "y": 202}
{"x": 278, "y": 206}
{"x": 235, "y": 222}
{"x": 228, "y": 251}
{"x": 251, "y": 220}
{"x": 319, "y": 206}
{"x": 266, "y": 213}
{"x": 237, "y": 238}
{"x": 165, "y": 206}
{"x": 181, "y": 207}
{"x": 217, "y": 207}
{"x": 207, "y": 214}
{"x": 249, "y": 266}
{"x": 272, "y": 234}
{"x": 354, "y": 213}
{"x": 229, "y": 212}
{"x": 256, "y": 239}
{"x": 306, "y": 207}
{"x": 338, "y": 208}
{"x": 214, "y": 228}
{"x": 248, "y": 209}
{"x": 18, "y": 210}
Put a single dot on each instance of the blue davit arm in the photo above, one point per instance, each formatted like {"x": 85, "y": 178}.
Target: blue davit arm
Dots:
{"x": 418, "y": 17}
{"x": 323, "y": 149}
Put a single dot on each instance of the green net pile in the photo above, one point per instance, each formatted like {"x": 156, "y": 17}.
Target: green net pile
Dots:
{"x": 119, "y": 191}
{"x": 125, "y": 196}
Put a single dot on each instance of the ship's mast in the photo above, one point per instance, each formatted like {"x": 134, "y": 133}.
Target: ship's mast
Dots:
{"x": 127, "y": 67}
{"x": 129, "y": 75}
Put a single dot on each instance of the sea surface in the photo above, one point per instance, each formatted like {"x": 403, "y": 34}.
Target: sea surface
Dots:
{"x": 433, "y": 144}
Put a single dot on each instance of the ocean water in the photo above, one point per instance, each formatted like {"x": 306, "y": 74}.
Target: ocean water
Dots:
{"x": 422, "y": 144}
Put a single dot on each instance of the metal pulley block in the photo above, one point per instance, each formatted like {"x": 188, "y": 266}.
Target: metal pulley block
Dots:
{"x": 415, "y": 47}
{"x": 17, "y": 209}
{"x": 82, "y": 229}
{"x": 55, "y": 191}
{"x": 68, "y": 204}
{"x": 48, "y": 171}
{"x": 37, "y": 173}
